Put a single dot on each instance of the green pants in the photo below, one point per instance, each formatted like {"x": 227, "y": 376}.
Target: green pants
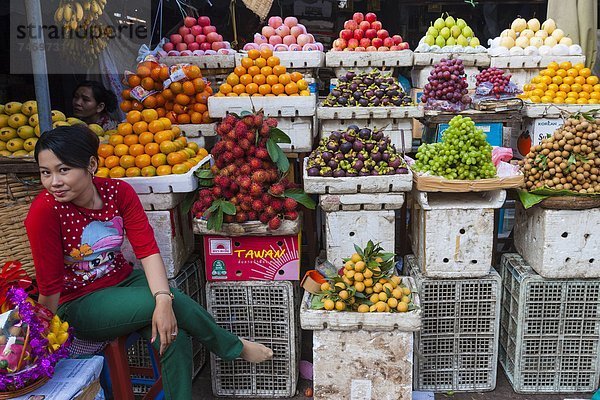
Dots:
{"x": 128, "y": 307}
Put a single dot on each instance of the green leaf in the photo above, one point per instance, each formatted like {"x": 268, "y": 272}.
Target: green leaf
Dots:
{"x": 219, "y": 220}
{"x": 245, "y": 114}
{"x": 188, "y": 202}
{"x": 214, "y": 206}
{"x": 272, "y": 148}
{"x": 360, "y": 295}
{"x": 283, "y": 164}
{"x": 316, "y": 303}
{"x": 301, "y": 197}
{"x": 571, "y": 160}
{"x": 359, "y": 251}
{"x": 279, "y": 136}
{"x": 228, "y": 208}
{"x": 206, "y": 182}
{"x": 204, "y": 174}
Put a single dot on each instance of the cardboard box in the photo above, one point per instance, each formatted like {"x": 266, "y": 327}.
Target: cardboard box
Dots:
{"x": 417, "y": 126}
{"x": 244, "y": 258}
{"x": 493, "y": 130}
{"x": 533, "y": 132}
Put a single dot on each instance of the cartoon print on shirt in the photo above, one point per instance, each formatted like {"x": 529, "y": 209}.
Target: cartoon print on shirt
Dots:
{"x": 100, "y": 242}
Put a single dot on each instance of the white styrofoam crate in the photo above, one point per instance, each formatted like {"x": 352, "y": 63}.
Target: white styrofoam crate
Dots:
{"x": 174, "y": 236}
{"x": 198, "y": 130}
{"x": 344, "y": 229}
{"x": 356, "y": 184}
{"x": 457, "y": 346}
{"x": 264, "y": 312}
{"x": 216, "y": 61}
{"x": 354, "y": 113}
{"x": 559, "y": 243}
{"x": 419, "y": 76}
{"x": 301, "y": 132}
{"x": 160, "y": 201}
{"x": 293, "y": 59}
{"x": 361, "y": 201}
{"x": 284, "y": 106}
{"x": 398, "y": 130}
{"x": 183, "y": 183}
{"x": 538, "y": 110}
{"x": 532, "y": 62}
{"x": 549, "y": 330}
{"x": 349, "y": 59}
{"x": 452, "y": 234}
{"x": 468, "y": 59}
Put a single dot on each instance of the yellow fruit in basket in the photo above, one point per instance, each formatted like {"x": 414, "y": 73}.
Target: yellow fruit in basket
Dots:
{"x": 17, "y": 120}
{"x": 20, "y": 153}
{"x": 7, "y": 133}
{"x": 149, "y": 171}
{"x": 15, "y": 144}
{"x": 402, "y": 307}
{"x": 34, "y": 120}
{"x": 29, "y": 144}
{"x": 59, "y": 123}
{"x": 26, "y": 132}
{"x": 117, "y": 172}
{"x": 163, "y": 170}
{"x": 97, "y": 129}
{"x": 37, "y": 131}
{"x": 2, "y": 145}
{"x": 75, "y": 121}
{"x": 5, "y": 153}
{"x": 3, "y": 120}
{"x": 58, "y": 116}
{"x": 13, "y": 107}
{"x": 180, "y": 168}
{"x": 29, "y": 108}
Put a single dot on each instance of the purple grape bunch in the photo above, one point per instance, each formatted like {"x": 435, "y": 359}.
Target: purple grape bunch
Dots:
{"x": 446, "y": 82}
{"x": 496, "y": 77}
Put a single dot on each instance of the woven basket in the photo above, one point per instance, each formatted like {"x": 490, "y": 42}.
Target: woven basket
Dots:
{"x": 18, "y": 393}
{"x": 17, "y": 191}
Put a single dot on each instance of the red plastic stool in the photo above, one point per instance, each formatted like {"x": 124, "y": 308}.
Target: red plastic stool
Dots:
{"x": 120, "y": 372}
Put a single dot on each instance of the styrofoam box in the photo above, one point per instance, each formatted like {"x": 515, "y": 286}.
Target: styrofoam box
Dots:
{"x": 349, "y": 59}
{"x": 288, "y": 106}
{"x": 549, "y": 331}
{"x": 457, "y": 347}
{"x": 344, "y": 369}
{"x": 361, "y": 201}
{"x": 216, "y": 61}
{"x": 174, "y": 236}
{"x": 532, "y": 62}
{"x": 160, "y": 201}
{"x": 468, "y": 59}
{"x": 538, "y": 110}
{"x": 198, "y": 130}
{"x": 452, "y": 234}
{"x": 293, "y": 59}
{"x": 559, "y": 243}
{"x": 301, "y": 132}
{"x": 419, "y": 76}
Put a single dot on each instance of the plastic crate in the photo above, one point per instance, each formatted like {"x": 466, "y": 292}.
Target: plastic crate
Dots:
{"x": 457, "y": 347}
{"x": 549, "y": 330}
{"x": 264, "y": 312}
{"x": 191, "y": 282}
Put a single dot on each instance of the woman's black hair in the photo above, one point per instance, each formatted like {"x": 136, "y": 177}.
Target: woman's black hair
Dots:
{"x": 73, "y": 145}
{"x": 101, "y": 94}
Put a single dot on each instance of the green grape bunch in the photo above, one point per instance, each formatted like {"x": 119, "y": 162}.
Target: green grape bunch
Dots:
{"x": 463, "y": 153}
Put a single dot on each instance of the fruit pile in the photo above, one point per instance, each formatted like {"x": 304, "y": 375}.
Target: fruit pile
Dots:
{"x": 184, "y": 101}
{"x": 147, "y": 145}
{"x": 366, "y": 33}
{"x": 284, "y": 35}
{"x": 531, "y": 39}
{"x": 19, "y": 127}
{"x": 246, "y": 183}
{"x": 196, "y": 37}
{"x": 450, "y": 32}
{"x": 568, "y": 160}
{"x": 260, "y": 74}
{"x": 447, "y": 87}
{"x": 463, "y": 153}
{"x": 563, "y": 83}
{"x": 78, "y": 14}
{"x": 494, "y": 83}
{"x": 355, "y": 152}
{"x": 367, "y": 89}
{"x": 367, "y": 283}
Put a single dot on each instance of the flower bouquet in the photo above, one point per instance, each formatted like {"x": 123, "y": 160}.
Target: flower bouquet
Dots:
{"x": 32, "y": 341}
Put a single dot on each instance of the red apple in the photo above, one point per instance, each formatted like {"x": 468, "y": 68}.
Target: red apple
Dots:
{"x": 184, "y": 30}
{"x": 395, "y": 48}
{"x": 203, "y": 21}
{"x": 358, "y": 17}
{"x": 388, "y": 42}
{"x": 212, "y": 37}
{"x": 189, "y": 21}
{"x": 218, "y": 45}
{"x": 205, "y": 46}
{"x": 371, "y": 17}
{"x": 383, "y": 48}
{"x": 176, "y": 38}
{"x": 364, "y": 25}
{"x": 352, "y": 44}
{"x": 351, "y": 24}
{"x": 181, "y": 46}
{"x": 404, "y": 45}
{"x": 370, "y": 33}
{"x": 358, "y": 34}
{"x": 340, "y": 43}
{"x": 397, "y": 39}
{"x": 382, "y": 34}
{"x": 360, "y": 48}
{"x": 200, "y": 38}
{"x": 168, "y": 47}
{"x": 349, "y": 49}
{"x": 376, "y": 25}
{"x": 346, "y": 34}
{"x": 371, "y": 48}
{"x": 189, "y": 38}
{"x": 193, "y": 46}
{"x": 208, "y": 29}
{"x": 364, "y": 42}
{"x": 196, "y": 30}
{"x": 377, "y": 42}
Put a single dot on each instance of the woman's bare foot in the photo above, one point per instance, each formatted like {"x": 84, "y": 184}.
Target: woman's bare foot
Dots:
{"x": 255, "y": 352}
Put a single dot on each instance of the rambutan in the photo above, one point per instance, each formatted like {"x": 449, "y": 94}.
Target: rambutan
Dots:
{"x": 274, "y": 223}
{"x": 258, "y": 120}
{"x": 228, "y": 157}
{"x": 252, "y": 216}
{"x": 273, "y": 175}
{"x": 277, "y": 189}
{"x": 231, "y": 135}
{"x": 251, "y": 135}
{"x": 228, "y": 219}
{"x": 224, "y": 128}
{"x": 244, "y": 144}
{"x": 290, "y": 204}
{"x": 218, "y": 148}
{"x": 229, "y": 119}
{"x": 251, "y": 151}
{"x": 244, "y": 181}
{"x": 234, "y": 187}
{"x": 264, "y": 218}
{"x": 270, "y": 212}
{"x": 229, "y": 145}
{"x": 256, "y": 189}
{"x": 246, "y": 206}
{"x": 227, "y": 194}
{"x": 217, "y": 191}
{"x": 291, "y": 215}
{"x": 272, "y": 122}
{"x": 257, "y": 205}
{"x": 246, "y": 169}
{"x": 248, "y": 121}
{"x": 259, "y": 176}
{"x": 241, "y": 217}
{"x": 239, "y": 162}
{"x": 255, "y": 164}
{"x": 262, "y": 153}
{"x": 220, "y": 163}
{"x": 277, "y": 205}
{"x": 265, "y": 198}
{"x": 238, "y": 152}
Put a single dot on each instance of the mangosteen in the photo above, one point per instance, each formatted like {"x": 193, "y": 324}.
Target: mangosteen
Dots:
{"x": 332, "y": 146}
{"x": 395, "y": 163}
{"x": 338, "y": 173}
{"x": 358, "y": 145}
{"x": 368, "y": 81}
{"x": 402, "y": 170}
{"x": 342, "y": 100}
{"x": 369, "y": 94}
{"x": 358, "y": 165}
{"x": 352, "y": 128}
{"x": 351, "y": 172}
{"x": 362, "y": 156}
{"x": 335, "y": 135}
{"x": 407, "y": 101}
{"x": 326, "y": 156}
{"x": 350, "y": 75}
{"x": 390, "y": 171}
{"x": 363, "y": 102}
{"x": 313, "y": 171}
{"x": 342, "y": 79}
{"x": 357, "y": 95}
{"x": 364, "y": 133}
{"x": 339, "y": 156}
{"x": 351, "y": 102}
{"x": 336, "y": 93}
{"x": 348, "y": 137}
{"x": 385, "y": 156}
{"x": 397, "y": 102}
{"x": 345, "y": 147}
{"x": 369, "y": 147}
{"x": 332, "y": 164}
{"x": 353, "y": 87}
{"x": 364, "y": 172}
{"x": 377, "y": 135}
{"x": 375, "y": 156}
{"x": 392, "y": 93}
{"x": 379, "y": 93}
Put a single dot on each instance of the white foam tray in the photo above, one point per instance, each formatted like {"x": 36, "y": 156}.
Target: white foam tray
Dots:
{"x": 346, "y": 59}
{"x": 288, "y": 106}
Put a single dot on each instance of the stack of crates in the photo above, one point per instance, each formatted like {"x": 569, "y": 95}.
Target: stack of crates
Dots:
{"x": 452, "y": 238}
{"x": 191, "y": 282}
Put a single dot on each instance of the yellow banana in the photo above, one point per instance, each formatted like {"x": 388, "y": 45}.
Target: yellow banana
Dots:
{"x": 64, "y": 326}
{"x": 73, "y": 24}
{"x": 62, "y": 337}
{"x": 67, "y": 12}
{"x": 87, "y": 6}
{"x": 58, "y": 15}
{"x": 55, "y": 346}
{"x": 95, "y": 7}
{"x": 79, "y": 11}
{"x": 52, "y": 338}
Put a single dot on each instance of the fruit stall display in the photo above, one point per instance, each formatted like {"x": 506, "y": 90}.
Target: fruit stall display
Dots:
{"x": 495, "y": 91}
{"x": 374, "y": 100}
{"x": 449, "y": 35}
{"x": 20, "y": 130}
{"x": 363, "y": 43}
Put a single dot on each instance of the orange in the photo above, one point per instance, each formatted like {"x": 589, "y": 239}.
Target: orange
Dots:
{"x": 584, "y": 95}
{"x": 156, "y": 126}
{"x": 284, "y": 79}
{"x": 304, "y": 93}
{"x": 139, "y": 127}
{"x": 266, "y": 71}
{"x": 188, "y": 88}
{"x": 206, "y": 119}
{"x": 264, "y": 89}
{"x": 183, "y": 119}
{"x": 161, "y": 136}
{"x": 247, "y": 63}
{"x": 103, "y": 172}
{"x": 196, "y": 117}
{"x": 561, "y": 72}
{"x": 202, "y": 152}
{"x": 127, "y": 161}
{"x": 253, "y": 70}
{"x": 595, "y": 95}
{"x": 148, "y": 83}
{"x": 587, "y": 88}
{"x": 568, "y": 80}
{"x": 136, "y": 105}
{"x": 203, "y": 97}
{"x": 240, "y": 69}
{"x": 149, "y": 102}
{"x": 164, "y": 73}
{"x": 182, "y": 99}
{"x": 176, "y": 87}
{"x": 117, "y": 172}
{"x": 246, "y": 79}
{"x": 199, "y": 107}
{"x": 182, "y": 140}
{"x": 585, "y": 72}
{"x": 176, "y": 131}
{"x": 597, "y": 87}
{"x": 553, "y": 65}
{"x": 125, "y": 106}
{"x": 592, "y": 80}
{"x": 143, "y": 71}
{"x": 573, "y": 95}
{"x": 238, "y": 89}
{"x": 158, "y": 86}
{"x": 273, "y": 61}
{"x": 106, "y": 150}
{"x": 579, "y": 66}
{"x": 225, "y": 88}
{"x": 163, "y": 170}
{"x": 136, "y": 149}
{"x": 572, "y": 72}
{"x": 134, "y": 116}
{"x": 175, "y": 158}
{"x": 565, "y": 65}
{"x": 155, "y": 73}
{"x": 126, "y": 94}
{"x": 168, "y": 94}
{"x": 272, "y": 79}
{"x": 576, "y": 87}
{"x": 253, "y": 54}
{"x": 193, "y": 72}
{"x": 121, "y": 150}
{"x": 291, "y": 88}
{"x": 557, "y": 79}
{"x": 111, "y": 161}
{"x": 166, "y": 122}
{"x": 260, "y": 62}
{"x": 277, "y": 89}
{"x": 142, "y": 160}
{"x": 167, "y": 147}
{"x": 570, "y": 100}
{"x": 265, "y": 53}
{"x": 180, "y": 169}
{"x": 193, "y": 146}
{"x": 145, "y": 138}
{"x": 582, "y": 101}
{"x": 131, "y": 140}
{"x": 580, "y": 80}
{"x": 546, "y": 80}
{"x": 252, "y": 88}
{"x": 303, "y": 85}
{"x": 179, "y": 109}
{"x": 161, "y": 111}
{"x": 133, "y": 171}
{"x": 259, "y": 79}
{"x": 565, "y": 88}
{"x": 133, "y": 81}
{"x": 158, "y": 159}
{"x": 296, "y": 76}
{"x": 115, "y": 139}
{"x": 279, "y": 69}
{"x": 152, "y": 148}
{"x": 561, "y": 94}
{"x": 546, "y": 99}
{"x": 149, "y": 171}
{"x": 232, "y": 94}
{"x": 199, "y": 84}
{"x": 552, "y": 86}
{"x": 233, "y": 79}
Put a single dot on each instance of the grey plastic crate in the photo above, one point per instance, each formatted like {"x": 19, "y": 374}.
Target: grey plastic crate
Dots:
{"x": 265, "y": 312}
{"x": 191, "y": 282}
{"x": 549, "y": 330}
{"x": 457, "y": 347}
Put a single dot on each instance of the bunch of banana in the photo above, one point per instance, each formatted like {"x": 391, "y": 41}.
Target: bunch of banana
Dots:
{"x": 74, "y": 14}
{"x": 59, "y": 333}
{"x": 86, "y": 51}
